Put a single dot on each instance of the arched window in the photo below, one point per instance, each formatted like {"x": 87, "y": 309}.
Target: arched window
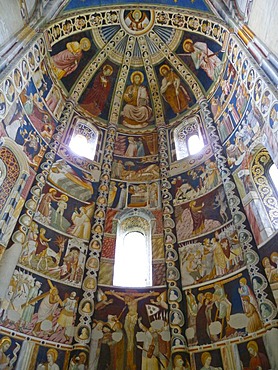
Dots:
{"x": 188, "y": 138}
{"x": 195, "y": 144}
{"x": 133, "y": 256}
{"x": 132, "y": 260}
{"x": 83, "y": 140}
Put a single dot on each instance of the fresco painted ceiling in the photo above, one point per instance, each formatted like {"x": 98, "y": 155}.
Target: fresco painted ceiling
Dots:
{"x": 137, "y": 67}
{"x": 199, "y": 5}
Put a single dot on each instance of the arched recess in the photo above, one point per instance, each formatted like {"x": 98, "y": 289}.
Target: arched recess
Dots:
{"x": 14, "y": 166}
{"x": 14, "y": 173}
{"x": 138, "y": 224}
{"x": 256, "y": 192}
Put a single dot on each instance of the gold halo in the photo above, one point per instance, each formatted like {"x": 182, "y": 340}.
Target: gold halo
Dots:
{"x": 164, "y": 66}
{"x": 186, "y": 41}
{"x": 5, "y": 339}
{"x": 54, "y": 353}
{"x": 137, "y": 11}
{"x": 136, "y": 73}
{"x": 83, "y": 354}
{"x": 107, "y": 66}
{"x": 253, "y": 345}
{"x": 204, "y": 357}
{"x": 85, "y": 39}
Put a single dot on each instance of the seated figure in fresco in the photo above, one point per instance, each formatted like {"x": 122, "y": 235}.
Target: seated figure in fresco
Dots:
{"x": 137, "y": 113}
{"x": 66, "y": 61}
{"x": 203, "y": 58}
{"x": 95, "y": 97}
{"x": 172, "y": 90}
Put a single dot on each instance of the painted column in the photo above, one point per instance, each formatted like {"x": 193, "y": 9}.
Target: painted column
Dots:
{"x": 177, "y": 308}
{"x": 95, "y": 246}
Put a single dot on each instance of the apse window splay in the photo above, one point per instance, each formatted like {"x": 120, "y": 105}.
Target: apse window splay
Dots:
{"x": 80, "y": 146}
{"x": 195, "y": 144}
{"x": 132, "y": 261}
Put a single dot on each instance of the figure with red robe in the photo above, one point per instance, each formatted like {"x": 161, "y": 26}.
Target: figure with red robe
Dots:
{"x": 258, "y": 360}
{"x": 95, "y": 97}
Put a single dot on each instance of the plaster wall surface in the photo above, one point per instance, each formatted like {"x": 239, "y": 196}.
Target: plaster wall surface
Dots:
{"x": 263, "y": 24}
